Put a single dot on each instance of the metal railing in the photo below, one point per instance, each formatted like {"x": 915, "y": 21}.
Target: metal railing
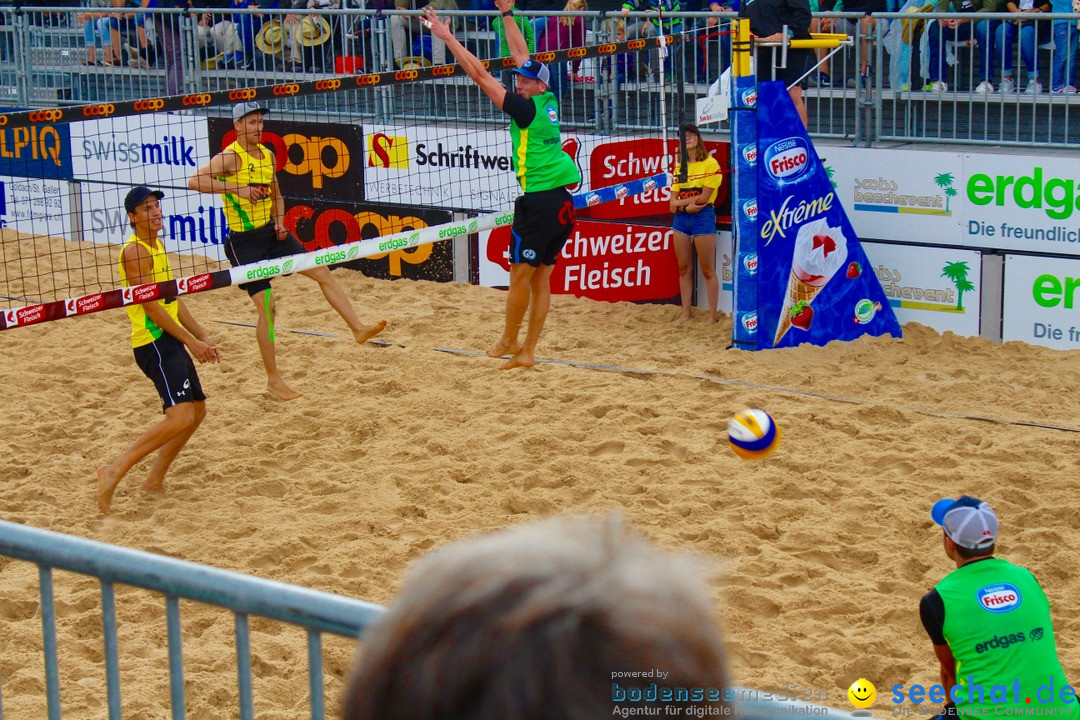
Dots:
{"x": 873, "y": 90}
{"x": 244, "y": 595}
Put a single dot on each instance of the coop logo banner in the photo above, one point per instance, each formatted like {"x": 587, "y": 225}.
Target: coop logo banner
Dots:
{"x": 811, "y": 287}
{"x": 616, "y": 161}
{"x": 161, "y": 150}
{"x": 601, "y": 260}
{"x": 38, "y": 151}
{"x": 325, "y": 226}
{"x": 313, "y": 160}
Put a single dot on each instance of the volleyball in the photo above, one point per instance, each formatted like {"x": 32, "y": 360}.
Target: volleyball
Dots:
{"x": 753, "y": 434}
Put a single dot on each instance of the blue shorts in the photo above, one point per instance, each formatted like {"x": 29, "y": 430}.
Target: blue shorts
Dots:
{"x": 703, "y": 222}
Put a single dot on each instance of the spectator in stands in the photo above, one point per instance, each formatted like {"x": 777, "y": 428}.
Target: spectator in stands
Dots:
{"x": 954, "y": 29}
{"x": 120, "y": 25}
{"x": 248, "y": 26}
{"x": 695, "y": 222}
{"x": 533, "y": 623}
{"x": 1032, "y": 34}
{"x": 539, "y": 22}
{"x": 400, "y": 23}
{"x": 167, "y": 38}
{"x": 96, "y": 28}
{"x": 650, "y": 27}
{"x": 306, "y": 35}
{"x": 564, "y": 32}
{"x": 160, "y": 330}
{"x": 866, "y": 31}
{"x": 767, "y": 21}
{"x": 823, "y": 78}
{"x": 1066, "y": 41}
{"x": 217, "y": 34}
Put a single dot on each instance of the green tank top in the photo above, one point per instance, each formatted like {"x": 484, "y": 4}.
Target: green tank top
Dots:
{"x": 997, "y": 624}
{"x": 539, "y": 161}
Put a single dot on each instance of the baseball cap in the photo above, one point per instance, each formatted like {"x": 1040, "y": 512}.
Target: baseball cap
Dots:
{"x": 968, "y": 521}
{"x": 246, "y": 108}
{"x": 137, "y": 194}
{"x": 536, "y": 70}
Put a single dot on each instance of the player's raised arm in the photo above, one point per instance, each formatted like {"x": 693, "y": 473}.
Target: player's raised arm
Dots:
{"x": 519, "y": 50}
{"x": 469, "y": 62}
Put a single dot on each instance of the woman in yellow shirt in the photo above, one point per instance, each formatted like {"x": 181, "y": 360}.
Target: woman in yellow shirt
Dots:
{"x": 695, "y": 222}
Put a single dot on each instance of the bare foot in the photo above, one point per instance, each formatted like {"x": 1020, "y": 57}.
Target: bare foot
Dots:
{"x": 153, "y": 485}
{"x": 681, "y": 318}
{"x": 106, "y": 486}
{"x": 365, "y": 334}
{"x": 713, "y": 319}
{"x": 281, "y": 391}
{"x": 520, "y": 359}
{"x": 503, "y": 348}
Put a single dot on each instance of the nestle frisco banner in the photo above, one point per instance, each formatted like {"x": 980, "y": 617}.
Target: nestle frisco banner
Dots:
{"x": 314, "y": 160}
{"x": 601, "y": 260}
{"x": 814, "y": 283}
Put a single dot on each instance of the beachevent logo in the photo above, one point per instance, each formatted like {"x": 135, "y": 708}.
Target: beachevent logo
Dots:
{"x": 788, "y": 160}
{"x": 1001, "y": 598}
{"x": 885, "y": 194}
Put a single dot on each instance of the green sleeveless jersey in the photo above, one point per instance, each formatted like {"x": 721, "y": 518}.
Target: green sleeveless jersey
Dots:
{"x": 997, "y": 624}
{"x": 538, "y": 159}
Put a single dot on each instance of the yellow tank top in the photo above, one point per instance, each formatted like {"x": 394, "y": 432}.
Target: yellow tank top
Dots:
{"x": 144, "y": 330}
{"x": 239, "y": 213}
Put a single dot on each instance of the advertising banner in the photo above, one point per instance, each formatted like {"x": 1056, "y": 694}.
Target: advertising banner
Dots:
{"x": 161, "y": 150}
{"x": 1042, "y": 301}
{"x": 1023, "y": 203}
{"x": 35, "y": 206}
{"x": 744, "y": 219}
{"x": 601, "y": 260}
{"x": 451, "y": 168}
{"x": 328, "y": 224}
{"x": 37, "y": 151}
{"x": 315, "y": 161}
{"x": 620, "y": 159}
{"x": 813, "y": 280}
{"x": 193, "y": 222}
{"x": 937, "y": 287}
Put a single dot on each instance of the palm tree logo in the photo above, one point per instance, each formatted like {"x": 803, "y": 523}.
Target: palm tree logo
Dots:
{"x": 945, "y": 181}
{"x": 957, "y": 272}
{"x": 830, "y": 172}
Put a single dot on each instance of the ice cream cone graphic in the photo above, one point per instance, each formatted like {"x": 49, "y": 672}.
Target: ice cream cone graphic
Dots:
{"x": 820, "y": 250}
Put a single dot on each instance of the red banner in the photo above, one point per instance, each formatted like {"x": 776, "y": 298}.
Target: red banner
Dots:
{"x": 607, "y": 261}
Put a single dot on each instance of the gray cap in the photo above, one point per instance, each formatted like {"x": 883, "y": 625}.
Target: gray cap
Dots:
{"x": 243, "y": 109}
{"x": 968, "y": 521}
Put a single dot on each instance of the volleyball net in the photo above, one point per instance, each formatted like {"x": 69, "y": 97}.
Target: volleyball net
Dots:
{"x": 376, "y": 193}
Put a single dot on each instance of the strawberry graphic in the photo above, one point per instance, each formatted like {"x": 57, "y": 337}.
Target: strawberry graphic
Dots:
{"x": 854, "y": 270}
{"x": 802, "y": 315}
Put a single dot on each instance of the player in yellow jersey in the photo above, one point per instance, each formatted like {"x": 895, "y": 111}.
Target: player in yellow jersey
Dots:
{"x": 244, "y": 175}
{"x": 159, "y": 331}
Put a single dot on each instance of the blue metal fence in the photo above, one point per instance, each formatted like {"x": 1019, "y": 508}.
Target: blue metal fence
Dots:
{"x": 244, "y": 595}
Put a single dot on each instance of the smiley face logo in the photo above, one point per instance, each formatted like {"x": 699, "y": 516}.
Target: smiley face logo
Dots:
{"x": 862, "y": 693}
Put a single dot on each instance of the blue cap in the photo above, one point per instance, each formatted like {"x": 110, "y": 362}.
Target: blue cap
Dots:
{"x": 137, "y": 194}
{"x": 969, "y": 522}
{"x": 536, "y": 70}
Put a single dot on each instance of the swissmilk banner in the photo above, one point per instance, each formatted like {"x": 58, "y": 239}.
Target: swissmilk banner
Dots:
{"x": 815, "y": 284}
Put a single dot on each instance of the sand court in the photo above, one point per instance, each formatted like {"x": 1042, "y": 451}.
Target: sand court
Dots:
{"x": 826, "y": 547}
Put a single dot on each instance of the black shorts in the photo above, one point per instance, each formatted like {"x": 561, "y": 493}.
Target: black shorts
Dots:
{"x": 167, "y": 363}
{"x": 257, "y": 245}
{"x": 798, "y": 63}
{"x": 542, "y": 223}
